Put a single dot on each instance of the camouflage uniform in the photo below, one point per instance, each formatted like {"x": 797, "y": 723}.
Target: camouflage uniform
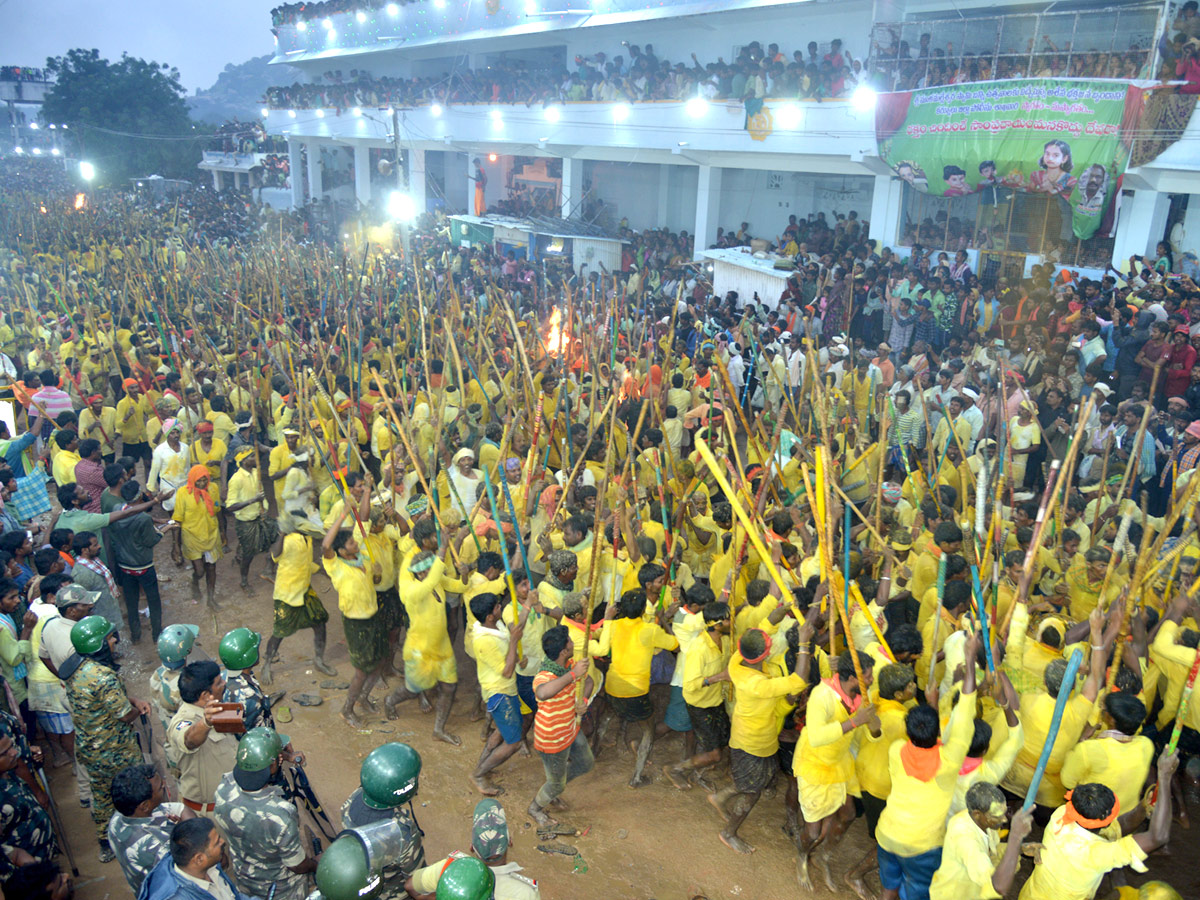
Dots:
{"x": 141, "y": 843}
{"x": 23, "y": 824}
{"x": 263, "y": 829}
{"x": 356, "y": 813}
{"x": 103, "y": 743}
{"x": 242, "y": 687}
{"x": 164, "y": 697}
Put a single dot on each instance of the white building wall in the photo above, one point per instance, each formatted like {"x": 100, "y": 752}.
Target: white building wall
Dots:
{"x": 765, "y": 198}
{"x": 633, "y": 191}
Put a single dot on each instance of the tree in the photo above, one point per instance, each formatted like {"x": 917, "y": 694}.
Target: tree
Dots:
{"x": 129, "y": 117}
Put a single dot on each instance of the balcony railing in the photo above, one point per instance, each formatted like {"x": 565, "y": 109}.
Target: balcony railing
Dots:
{"x": 1112, "y": 42}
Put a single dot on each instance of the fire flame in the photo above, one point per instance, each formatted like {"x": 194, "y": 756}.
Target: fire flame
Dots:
{"x": 557, "y": 338}
{"x": 80, "y": 201}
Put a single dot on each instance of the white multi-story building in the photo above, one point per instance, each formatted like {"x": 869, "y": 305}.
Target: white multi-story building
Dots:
{"x": 691, "y": 163}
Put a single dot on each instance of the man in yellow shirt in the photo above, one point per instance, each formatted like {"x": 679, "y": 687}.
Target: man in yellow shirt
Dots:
{"x": 428, "y": 653}
{"x": 705, "y": 669}
{"x": 100, "y": 422}
{"x": 496, "y": 662}
{"x": 281, "y": 460}
{"x": 297, "y": 605}
{"x": 969, "y": 869}
{"x": 923, "y": 772}
{"x": 67, "y": 457}
{"x": 1076, "y": 854}
{"x": 897, "y": 686}
{"x": 634, "y": 643}
{"x": 823, "y": 764}
{"x": 1174, "y": 651}
{"x": 754, "y": 725}
{"x": 132, "y": 411}
{"x": 354, "y": 578}
{"x": 1037, "y": 712}
{"x": 1118, "y": 757}
{"x": 256, "y": 531}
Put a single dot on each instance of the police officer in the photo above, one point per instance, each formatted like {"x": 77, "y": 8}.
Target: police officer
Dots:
{"x": 105, "y": 742}
{"x": 238, "y": 652}
{"x": 174, "y": 644}
{"x": 489, "y": 843}
{"x": 140, "y": 830}
{"x": 261, "y": 824}
{"x": 466, "y": 879}
{"x": 388, "y": 784}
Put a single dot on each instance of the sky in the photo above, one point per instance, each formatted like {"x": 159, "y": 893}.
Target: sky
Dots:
{"x": 198, "y": 38}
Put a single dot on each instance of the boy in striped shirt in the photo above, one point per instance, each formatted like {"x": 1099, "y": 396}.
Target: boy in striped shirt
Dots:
{"x": 556, "y": 736}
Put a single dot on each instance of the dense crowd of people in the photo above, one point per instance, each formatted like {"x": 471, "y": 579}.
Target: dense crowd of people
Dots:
{"x": 900, "y": 545}
{"x": 818, "y": 72}
{"x": 22, "y": 73}
{"x": 635, "y": 74}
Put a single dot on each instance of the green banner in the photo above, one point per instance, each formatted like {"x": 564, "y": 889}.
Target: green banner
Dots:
{"x": 1064, "y": 137}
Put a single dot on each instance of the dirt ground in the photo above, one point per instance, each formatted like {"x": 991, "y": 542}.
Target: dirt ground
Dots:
{"x": 654, "y": 842}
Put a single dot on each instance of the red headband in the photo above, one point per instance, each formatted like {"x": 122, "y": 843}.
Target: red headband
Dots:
{"x": 766, "y": 650}
{"x": 1071, "y": 814}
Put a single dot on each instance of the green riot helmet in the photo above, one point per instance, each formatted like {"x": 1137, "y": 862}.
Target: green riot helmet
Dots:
{"x": 389, "y": 775}
{"x": 467, "y": 878}
{"x": 343, "y": 874}
{"x": 89, "y": 634}
{"x": 239, "y": 649}
{"x": 257, "y": 749}
{"x": 175, "y": 643}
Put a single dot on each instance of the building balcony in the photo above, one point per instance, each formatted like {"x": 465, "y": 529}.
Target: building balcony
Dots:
{"x": 832, "y": 136}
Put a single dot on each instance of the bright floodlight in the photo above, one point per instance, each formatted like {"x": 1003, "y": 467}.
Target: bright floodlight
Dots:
{"x": 497, "y": 117}
{"x": 697, "y": 107}
{"x": 87, "y": 171}
{"x": 863, "y": 98}
{"x": 265, "y": 112}
{"x": 37, "y": 151}
{"x": 360, "y": 17}
{"x": 33, "y": 126}
{"x": 393, "y": 9}
{"x": 327, "y": 24}
{"x": 320, "y": 113}
{"x": 620, "y": 112}
{"x": 357, "y": 111}
{"x": 790, "y": 115}
{"x": 52, "y": 126}
{"x": 401, "y": 207}
{"x": 436, "y": 110}
{"x": 302, "y": 26}
{"x": 291, "y": 113}
{"x": 531, "y": 7}
{"x": 553, "y": 114}
{"x": 18, "y": 150}
{"x": 54, "y": 151}
{"x": 439, "y": 4}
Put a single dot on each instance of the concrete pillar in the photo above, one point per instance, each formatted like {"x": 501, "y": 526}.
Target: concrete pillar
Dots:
{"x": 664, "y": 192}
{"x": 416, "y": 178}
{"x": 885, "y": 210}
{"x": 295, "y": 176}
{"x": 237, "y": 181}
{"x": 315, "y": 189}
{"x": 572, "y": 187}
{"x": 1140, "y": 225}
{"x": 362, "y": 174}
{"x": 708, "y": 208}
{"x": 216, "y": 181}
